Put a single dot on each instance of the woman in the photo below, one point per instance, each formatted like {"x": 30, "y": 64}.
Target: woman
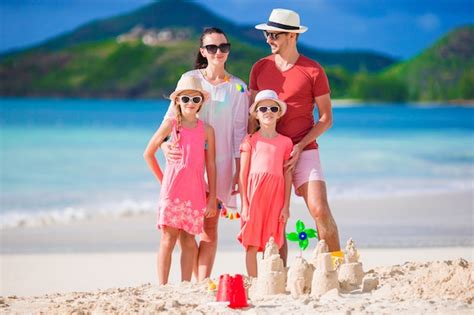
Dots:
{"x": 227, "y": 112}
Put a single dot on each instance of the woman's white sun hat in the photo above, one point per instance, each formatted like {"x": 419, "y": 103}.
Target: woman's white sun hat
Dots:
{"x": 283, "y": 20}
{"x": 189, "y": 83}
{"x": 267, "y": 95}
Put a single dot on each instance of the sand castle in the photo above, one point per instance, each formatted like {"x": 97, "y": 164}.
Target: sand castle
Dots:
{"x": 272, "y": 274}
{"x": 324, "y": 276}
{"x": 316, "y": 277}
{"x": 321, "y": 247}
{"x": 299, "y": 277}
{"x": 351, "y": 272}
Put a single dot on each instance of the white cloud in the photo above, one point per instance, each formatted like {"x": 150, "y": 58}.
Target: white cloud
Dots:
{"x": 428, "y": 21}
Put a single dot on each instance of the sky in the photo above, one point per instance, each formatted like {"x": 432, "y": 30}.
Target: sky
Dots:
{"x": 399, "y": 28}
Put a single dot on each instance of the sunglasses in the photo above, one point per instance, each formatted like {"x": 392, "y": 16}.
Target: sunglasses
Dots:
{"x": 186, "y": 99}
{"x": 264, "y": 109}
{"x": 212, "y": 49}
{"x": 273, "y": 36}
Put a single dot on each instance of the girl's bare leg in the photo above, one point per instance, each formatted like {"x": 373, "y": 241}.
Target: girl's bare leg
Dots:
{"x": 207, "y": 248}
{"x": 251, "y": 261}
{"x": 169, "y": 236}
{"x": 189, "y": 251}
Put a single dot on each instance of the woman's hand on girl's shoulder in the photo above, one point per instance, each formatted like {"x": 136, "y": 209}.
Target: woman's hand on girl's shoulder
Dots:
{"x": 170, "y": 151}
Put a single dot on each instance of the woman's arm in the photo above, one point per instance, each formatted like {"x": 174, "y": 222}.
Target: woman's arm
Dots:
{"x": 211, "y": 172}
{"x": 244, "y": 173}
{"x": 241, "y": 113}
{"x": 153, "y": 146}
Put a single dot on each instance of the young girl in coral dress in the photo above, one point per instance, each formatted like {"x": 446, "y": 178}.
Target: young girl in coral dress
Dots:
{"x": 183, "y": 203}
{"x": 265, "y": 185}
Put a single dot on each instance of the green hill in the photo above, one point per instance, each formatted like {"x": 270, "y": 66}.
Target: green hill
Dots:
{"x": 190, "y": 15}
{"x": 109, "y": 69}
{"x": 89, "y": 62}
{"x": 443, "y": 71}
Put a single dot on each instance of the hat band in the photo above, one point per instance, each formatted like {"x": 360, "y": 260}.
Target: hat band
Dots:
{"x": 283, "y": 26}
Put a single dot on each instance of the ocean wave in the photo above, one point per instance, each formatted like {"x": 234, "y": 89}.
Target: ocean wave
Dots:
{"x": 24, "y": 218}
{"x": 136, "y": 207}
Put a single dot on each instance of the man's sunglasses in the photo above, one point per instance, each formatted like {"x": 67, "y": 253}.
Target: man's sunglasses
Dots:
{"x": 264, "y": 109}
{"x": 186, "y": 99}
{"x": 212, "y": 49}
{"x": 273, "y": 36}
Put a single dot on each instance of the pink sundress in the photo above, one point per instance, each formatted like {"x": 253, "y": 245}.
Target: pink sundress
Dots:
{"x": 265, "y": 189}
{"x": 183, "y": 190}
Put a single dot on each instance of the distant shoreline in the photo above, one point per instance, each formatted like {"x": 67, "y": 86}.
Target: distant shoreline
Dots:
{"x": 336, "y": 102}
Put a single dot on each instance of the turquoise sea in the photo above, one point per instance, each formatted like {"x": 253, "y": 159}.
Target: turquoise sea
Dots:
{"x": 65, "y": 160}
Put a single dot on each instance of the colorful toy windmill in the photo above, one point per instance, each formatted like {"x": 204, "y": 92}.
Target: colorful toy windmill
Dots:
{"x": 302, "y": 235}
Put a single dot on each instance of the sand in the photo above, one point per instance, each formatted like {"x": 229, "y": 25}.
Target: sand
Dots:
{"x": 436, "y": 287}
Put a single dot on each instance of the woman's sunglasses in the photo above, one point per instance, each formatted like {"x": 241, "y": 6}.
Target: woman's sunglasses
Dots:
{"x": 186, "y": 99}
{"x": 264, "y": 109}
{"x": 273, "y": 36}
{"x": 212, "y": 49}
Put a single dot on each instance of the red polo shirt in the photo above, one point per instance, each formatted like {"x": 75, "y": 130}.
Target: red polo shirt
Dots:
{"x": 297, "y": 86}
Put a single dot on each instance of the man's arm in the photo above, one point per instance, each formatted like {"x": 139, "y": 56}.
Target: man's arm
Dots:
{"x": 324, "y": 122}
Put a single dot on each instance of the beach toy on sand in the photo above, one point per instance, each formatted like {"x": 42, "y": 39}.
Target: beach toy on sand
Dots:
{"x": 211, "y": 286}
{"x": 302, "y": 235}
{"x": 337, "y": 258}
{"x": 223, "y": 288}
{"x": 232, "y": 290}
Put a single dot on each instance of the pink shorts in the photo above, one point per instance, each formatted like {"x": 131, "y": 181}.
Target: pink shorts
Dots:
{"x": 308, "y": 168}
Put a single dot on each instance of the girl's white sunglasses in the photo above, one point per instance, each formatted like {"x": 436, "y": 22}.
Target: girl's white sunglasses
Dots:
{"x": 186, "y": 99}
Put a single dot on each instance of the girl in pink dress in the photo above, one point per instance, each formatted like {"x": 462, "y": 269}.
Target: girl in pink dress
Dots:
{"x": 266, "y": 186}
{"x": 183, "y": 203}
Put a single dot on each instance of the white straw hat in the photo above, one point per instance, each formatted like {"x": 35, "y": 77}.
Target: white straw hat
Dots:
{"x": 283, "y": 20}
{"x": 189, "y": 83}
{"x": 267, "y": 95}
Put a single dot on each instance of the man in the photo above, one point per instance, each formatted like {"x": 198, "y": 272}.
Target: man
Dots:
{"x": 301, "y": 83}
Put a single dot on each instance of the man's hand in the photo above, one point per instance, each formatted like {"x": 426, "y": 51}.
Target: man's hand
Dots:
{"x": 295, "y": 155}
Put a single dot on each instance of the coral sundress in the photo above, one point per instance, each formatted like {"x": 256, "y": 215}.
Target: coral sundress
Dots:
{"x": 266, "y": 189}
{"x": 183, "y": 189}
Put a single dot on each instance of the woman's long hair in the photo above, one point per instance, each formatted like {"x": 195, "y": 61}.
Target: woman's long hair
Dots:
{"x": 201, "y": 62}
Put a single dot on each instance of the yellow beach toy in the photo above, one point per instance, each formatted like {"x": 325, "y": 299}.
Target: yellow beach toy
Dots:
{"x": 337, "y": 258}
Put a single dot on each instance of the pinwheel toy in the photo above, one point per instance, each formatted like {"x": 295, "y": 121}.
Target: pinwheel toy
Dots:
{"x": 302, "y": 235}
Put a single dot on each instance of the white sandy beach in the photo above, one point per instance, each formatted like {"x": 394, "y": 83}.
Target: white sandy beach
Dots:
{"x": 120, "y": 283}
{"x": 112, "y": 262}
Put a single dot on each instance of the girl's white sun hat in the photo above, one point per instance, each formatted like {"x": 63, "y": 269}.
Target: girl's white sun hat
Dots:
{"x": 267, "y": 95}
{"x": 189, "y": 83}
